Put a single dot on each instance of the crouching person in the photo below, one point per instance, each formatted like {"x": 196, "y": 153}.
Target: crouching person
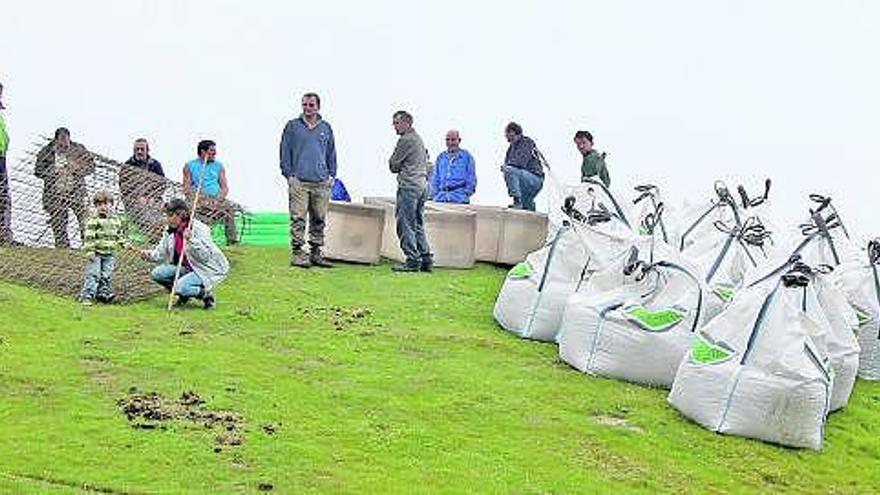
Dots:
{"x": 204, "y": 265}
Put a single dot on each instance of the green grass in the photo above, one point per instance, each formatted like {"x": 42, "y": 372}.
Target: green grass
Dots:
{"x": 424, "y": 393}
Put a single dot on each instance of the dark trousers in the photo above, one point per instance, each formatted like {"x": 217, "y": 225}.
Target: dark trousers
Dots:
{"x": 57, "y": 202}
{"x": 410, "y": 213}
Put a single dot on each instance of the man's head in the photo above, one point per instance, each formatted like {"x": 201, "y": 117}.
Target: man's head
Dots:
{"x": 141, "y": 149}
{"x": 402, "y": 122}
{"x": 207, "y": 150}
{"x": 103, "y": 201}
{"x": 311, "y": 104}
{"x": 62, "y": 138}
{"x": 512, "y": 132}
{"x": 584, "y": 141}
{"x": 453, "y": 141}
{"x": 176, "y": 212}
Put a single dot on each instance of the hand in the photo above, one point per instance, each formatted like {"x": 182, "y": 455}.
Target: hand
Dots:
{"x": 187, "y": 234}
{"x": 330, "y": 181}
{"x": 93, "y": 257}
{"x": 145, "y": 254}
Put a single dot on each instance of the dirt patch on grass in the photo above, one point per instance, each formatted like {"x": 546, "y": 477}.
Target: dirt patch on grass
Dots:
{"x": 340, "y": 318}
{"x": 151, "y": 411}
{"x": 617, "y": 422}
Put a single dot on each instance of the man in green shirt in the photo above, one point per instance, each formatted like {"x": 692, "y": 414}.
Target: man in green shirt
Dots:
{"x": 5, "y": 202}
{"x": 594, "y": 162}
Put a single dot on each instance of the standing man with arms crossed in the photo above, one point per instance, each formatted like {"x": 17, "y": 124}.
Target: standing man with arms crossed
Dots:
{"x": 308, "y": 162}
{"x": 5, "y": 201}
{"x": 409, "y": 163}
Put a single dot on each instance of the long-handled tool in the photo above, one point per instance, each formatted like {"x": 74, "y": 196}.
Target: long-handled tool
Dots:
{"x": 187, "y": 232}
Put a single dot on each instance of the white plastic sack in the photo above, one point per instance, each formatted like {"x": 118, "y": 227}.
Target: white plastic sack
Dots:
{"x": 754, "y": 371}
{"x": 637, "y": 332}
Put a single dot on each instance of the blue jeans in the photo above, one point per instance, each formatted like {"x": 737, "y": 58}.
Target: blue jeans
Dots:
{"x": 410, "y": 213}
{"x": 522, "y": 186}
{"x": 99, "y": 277}
{"x": 188, "y": 285}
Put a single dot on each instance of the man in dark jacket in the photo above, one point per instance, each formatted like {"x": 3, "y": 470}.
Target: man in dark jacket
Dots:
{"x": 63, "y": 166}
{"x": 308, "y": 162}
{"x": 142, "y": 184}
{"x": 522, "y": 170}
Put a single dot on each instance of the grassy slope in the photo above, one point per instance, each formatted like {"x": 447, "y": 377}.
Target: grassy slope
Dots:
{"x": 424, "y": 394}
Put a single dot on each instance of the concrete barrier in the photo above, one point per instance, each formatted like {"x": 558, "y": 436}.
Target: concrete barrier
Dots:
{"x": 452, "y": 234}
{"x": 503, "y": 235}
{"x": 354, "y": 232}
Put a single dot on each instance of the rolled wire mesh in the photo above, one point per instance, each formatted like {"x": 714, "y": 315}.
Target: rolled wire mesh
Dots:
{"x": 51, "y": 199}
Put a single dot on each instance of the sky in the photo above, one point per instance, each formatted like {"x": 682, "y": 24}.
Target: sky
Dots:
{"x": 678, "y": 93}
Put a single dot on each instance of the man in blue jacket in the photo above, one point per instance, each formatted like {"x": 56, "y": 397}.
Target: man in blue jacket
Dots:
{"x": 308, "y": 162}
{"x": 454, "y": 178}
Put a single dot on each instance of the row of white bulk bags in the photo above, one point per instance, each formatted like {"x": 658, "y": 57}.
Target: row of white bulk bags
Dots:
{"x": 534, "y": 293}
{"x": 637, "y": 330}
{"x": 755, "y": 371}
{"x": 861, "y": 285}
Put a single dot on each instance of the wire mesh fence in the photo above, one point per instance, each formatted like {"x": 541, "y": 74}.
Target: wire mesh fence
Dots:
{"x": 51, "y": 191}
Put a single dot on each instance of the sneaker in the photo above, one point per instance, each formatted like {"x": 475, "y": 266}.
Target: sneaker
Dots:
{"x": 86, "y": 302}
{"x": 406, "y": 267}
{"x": 317, "y": 260}
{"x": 301, "y": 260}
{"x": 209, "y": 302}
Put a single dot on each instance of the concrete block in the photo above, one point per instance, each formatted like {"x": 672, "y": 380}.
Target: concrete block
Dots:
{"x": 451, "y": 234}
{"x": 354, "y": 232}
{"x": 503, "y": 235}
{"x": 522, "y": 232}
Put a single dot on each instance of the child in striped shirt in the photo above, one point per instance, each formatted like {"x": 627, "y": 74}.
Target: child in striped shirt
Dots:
{"x": 103, "y": 236}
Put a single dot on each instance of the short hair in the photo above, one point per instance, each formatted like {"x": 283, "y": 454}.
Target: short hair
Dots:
{"x": 584, "y": 135}
{"x": 101, "y": 197}
{"x": 177, "y": 206}
{"x": 61, "y": 131}
{"x": 404, "y": 115}
{"x": 315, "y": 96}
{"x": 514, "y": 128}
{"x": 205, "y": 145}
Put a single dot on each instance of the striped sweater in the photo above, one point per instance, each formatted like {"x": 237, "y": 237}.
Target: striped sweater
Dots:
{"x": 103, "y": 234}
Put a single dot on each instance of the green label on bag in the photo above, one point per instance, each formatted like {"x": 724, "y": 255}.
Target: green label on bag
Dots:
{"x": 654, "y": 321}
{"x": 724, "y": 292}
{"x": 863, "y": 317}
{"x": 705, "y": 352}
{"x": 521, "y": 270}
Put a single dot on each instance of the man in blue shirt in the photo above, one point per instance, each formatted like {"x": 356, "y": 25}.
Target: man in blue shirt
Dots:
{"x": 308, "y": 162}
{"x": 454, "y": 178}
{"x": 522, "y": 169}
{"x": 212, "y": 206}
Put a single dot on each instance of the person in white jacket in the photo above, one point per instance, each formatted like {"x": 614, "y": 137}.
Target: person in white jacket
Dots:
{"x": 204, "y": 265}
